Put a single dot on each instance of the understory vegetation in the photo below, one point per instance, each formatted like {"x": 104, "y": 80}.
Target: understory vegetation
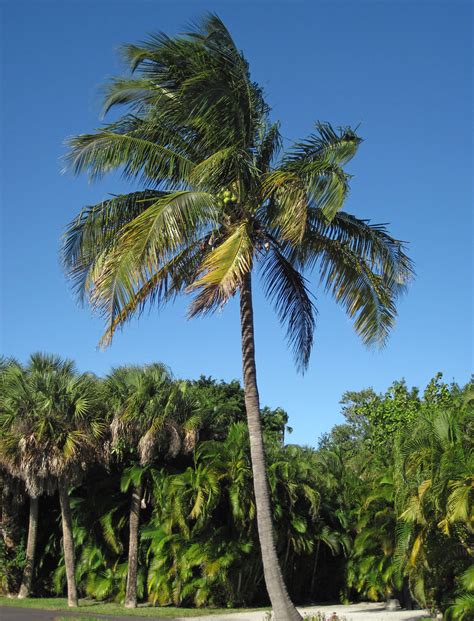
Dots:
{"x": 381, "y": 508}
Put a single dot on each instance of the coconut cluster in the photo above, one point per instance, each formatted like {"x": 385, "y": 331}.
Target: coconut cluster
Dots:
{"x": 226, "y": 198}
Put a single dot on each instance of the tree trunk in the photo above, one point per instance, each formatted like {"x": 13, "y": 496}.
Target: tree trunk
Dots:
{"x": 9, "y": 513}
{"x": 68, "y": 545}
{"x": 283, "y": 608}
{"x": 27, "y": 579}
{"x": 131, "y": 593}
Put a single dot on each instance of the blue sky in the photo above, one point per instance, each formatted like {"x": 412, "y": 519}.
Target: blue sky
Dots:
{"x": 400, "y": 69}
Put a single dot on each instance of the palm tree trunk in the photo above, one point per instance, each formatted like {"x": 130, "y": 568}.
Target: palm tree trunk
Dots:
{"x": 68, "y": 545}
{"x": 131, "y": 593}
{"x": 8, "y": 520}
{"x": 27, "y": 579}
{"x": 283, "y": 608}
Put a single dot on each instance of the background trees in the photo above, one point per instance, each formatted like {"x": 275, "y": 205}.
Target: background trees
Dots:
{"x": 367, "y": 514}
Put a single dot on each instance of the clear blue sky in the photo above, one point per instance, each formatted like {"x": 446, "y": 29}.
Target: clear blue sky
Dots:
{"x": 400, "y": 69}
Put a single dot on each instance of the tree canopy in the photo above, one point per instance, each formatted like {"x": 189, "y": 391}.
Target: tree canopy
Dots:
{"x": 381, "y": 508}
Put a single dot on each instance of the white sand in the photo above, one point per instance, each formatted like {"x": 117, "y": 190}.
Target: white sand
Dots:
{"x": 353, "y": 612}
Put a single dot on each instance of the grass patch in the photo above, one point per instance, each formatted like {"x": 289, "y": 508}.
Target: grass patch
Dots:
{"x": 92, "y": 607}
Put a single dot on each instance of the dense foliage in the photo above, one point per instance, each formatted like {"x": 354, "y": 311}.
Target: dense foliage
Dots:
{"x": 383, "y": 506}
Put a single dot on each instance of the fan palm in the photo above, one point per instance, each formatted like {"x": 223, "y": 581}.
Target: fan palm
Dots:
{"x": 51, "y": 426}
{"x": 8, "y": 481}
{"x": 152, "y": 416}
{"x": 16, "y": 399}
{"x": 219, "y": 201}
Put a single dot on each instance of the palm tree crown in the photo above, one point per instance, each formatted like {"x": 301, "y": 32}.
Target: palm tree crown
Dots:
{"x": 221, "y": 198}
{"x": 51, "y": 422}
{"x": 152, "y": 413}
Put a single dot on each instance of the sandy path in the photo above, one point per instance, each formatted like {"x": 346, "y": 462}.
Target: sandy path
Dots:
{"x": 353, "y": 612}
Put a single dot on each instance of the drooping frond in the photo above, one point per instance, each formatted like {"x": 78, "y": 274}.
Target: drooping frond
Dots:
{"x": 287, "y": 289}
{"x": 371, "y": 242}
{"x": 364, "y": 269}
{"x": 165, "y": 284}
{"x": 222, "y": 271}
{"x": 144, "y": 244}
{"x": 95, "y": 230}
{"x": 364, "y": 294}
{"x": 174, "y": 219}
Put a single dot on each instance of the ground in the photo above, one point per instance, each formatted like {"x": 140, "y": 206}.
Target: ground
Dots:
{"x": 25, "y": 610}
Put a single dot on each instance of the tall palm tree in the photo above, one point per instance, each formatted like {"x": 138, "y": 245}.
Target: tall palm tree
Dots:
{"x": 152, "y": 416}
{"x": 51, "y": 423}
{"x": 219, "y": 201}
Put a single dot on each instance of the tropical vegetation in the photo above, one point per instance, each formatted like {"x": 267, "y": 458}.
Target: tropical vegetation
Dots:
{"x": 381, "y": 508}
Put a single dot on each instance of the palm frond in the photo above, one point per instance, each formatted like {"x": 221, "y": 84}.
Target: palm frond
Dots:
{"x": 222, "y": 271}
{"x": 313, "y": 170}
{"x": 366, "y": 274}
{"x": 143, "y": 256}
{"x": 287, "y": 289}
{"x": 95, "y": 230}
{"x": 165, "y": 284}
{"x": 133, "y": 150}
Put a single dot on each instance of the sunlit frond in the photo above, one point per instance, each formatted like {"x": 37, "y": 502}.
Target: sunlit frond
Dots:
{"x": 95, "y": 230}
{"x": 222, "y": 271}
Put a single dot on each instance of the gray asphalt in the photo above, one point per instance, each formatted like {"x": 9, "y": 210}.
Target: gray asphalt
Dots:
{"x": 10, "y": 613}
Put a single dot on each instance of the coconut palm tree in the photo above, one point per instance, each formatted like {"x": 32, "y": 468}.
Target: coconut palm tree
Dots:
{"x": 152, "y": 416}
{"x": 51, "y": 426}
{"x": 221, "y": 200}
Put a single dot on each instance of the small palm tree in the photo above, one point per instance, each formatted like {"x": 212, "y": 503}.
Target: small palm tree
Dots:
{"x": 51, "y": 426}
{"x": 436, "y": 484}
{"x": 220, "y": 201}
{"x": 462, "y": 609}
{"x": 152, "y": 416}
